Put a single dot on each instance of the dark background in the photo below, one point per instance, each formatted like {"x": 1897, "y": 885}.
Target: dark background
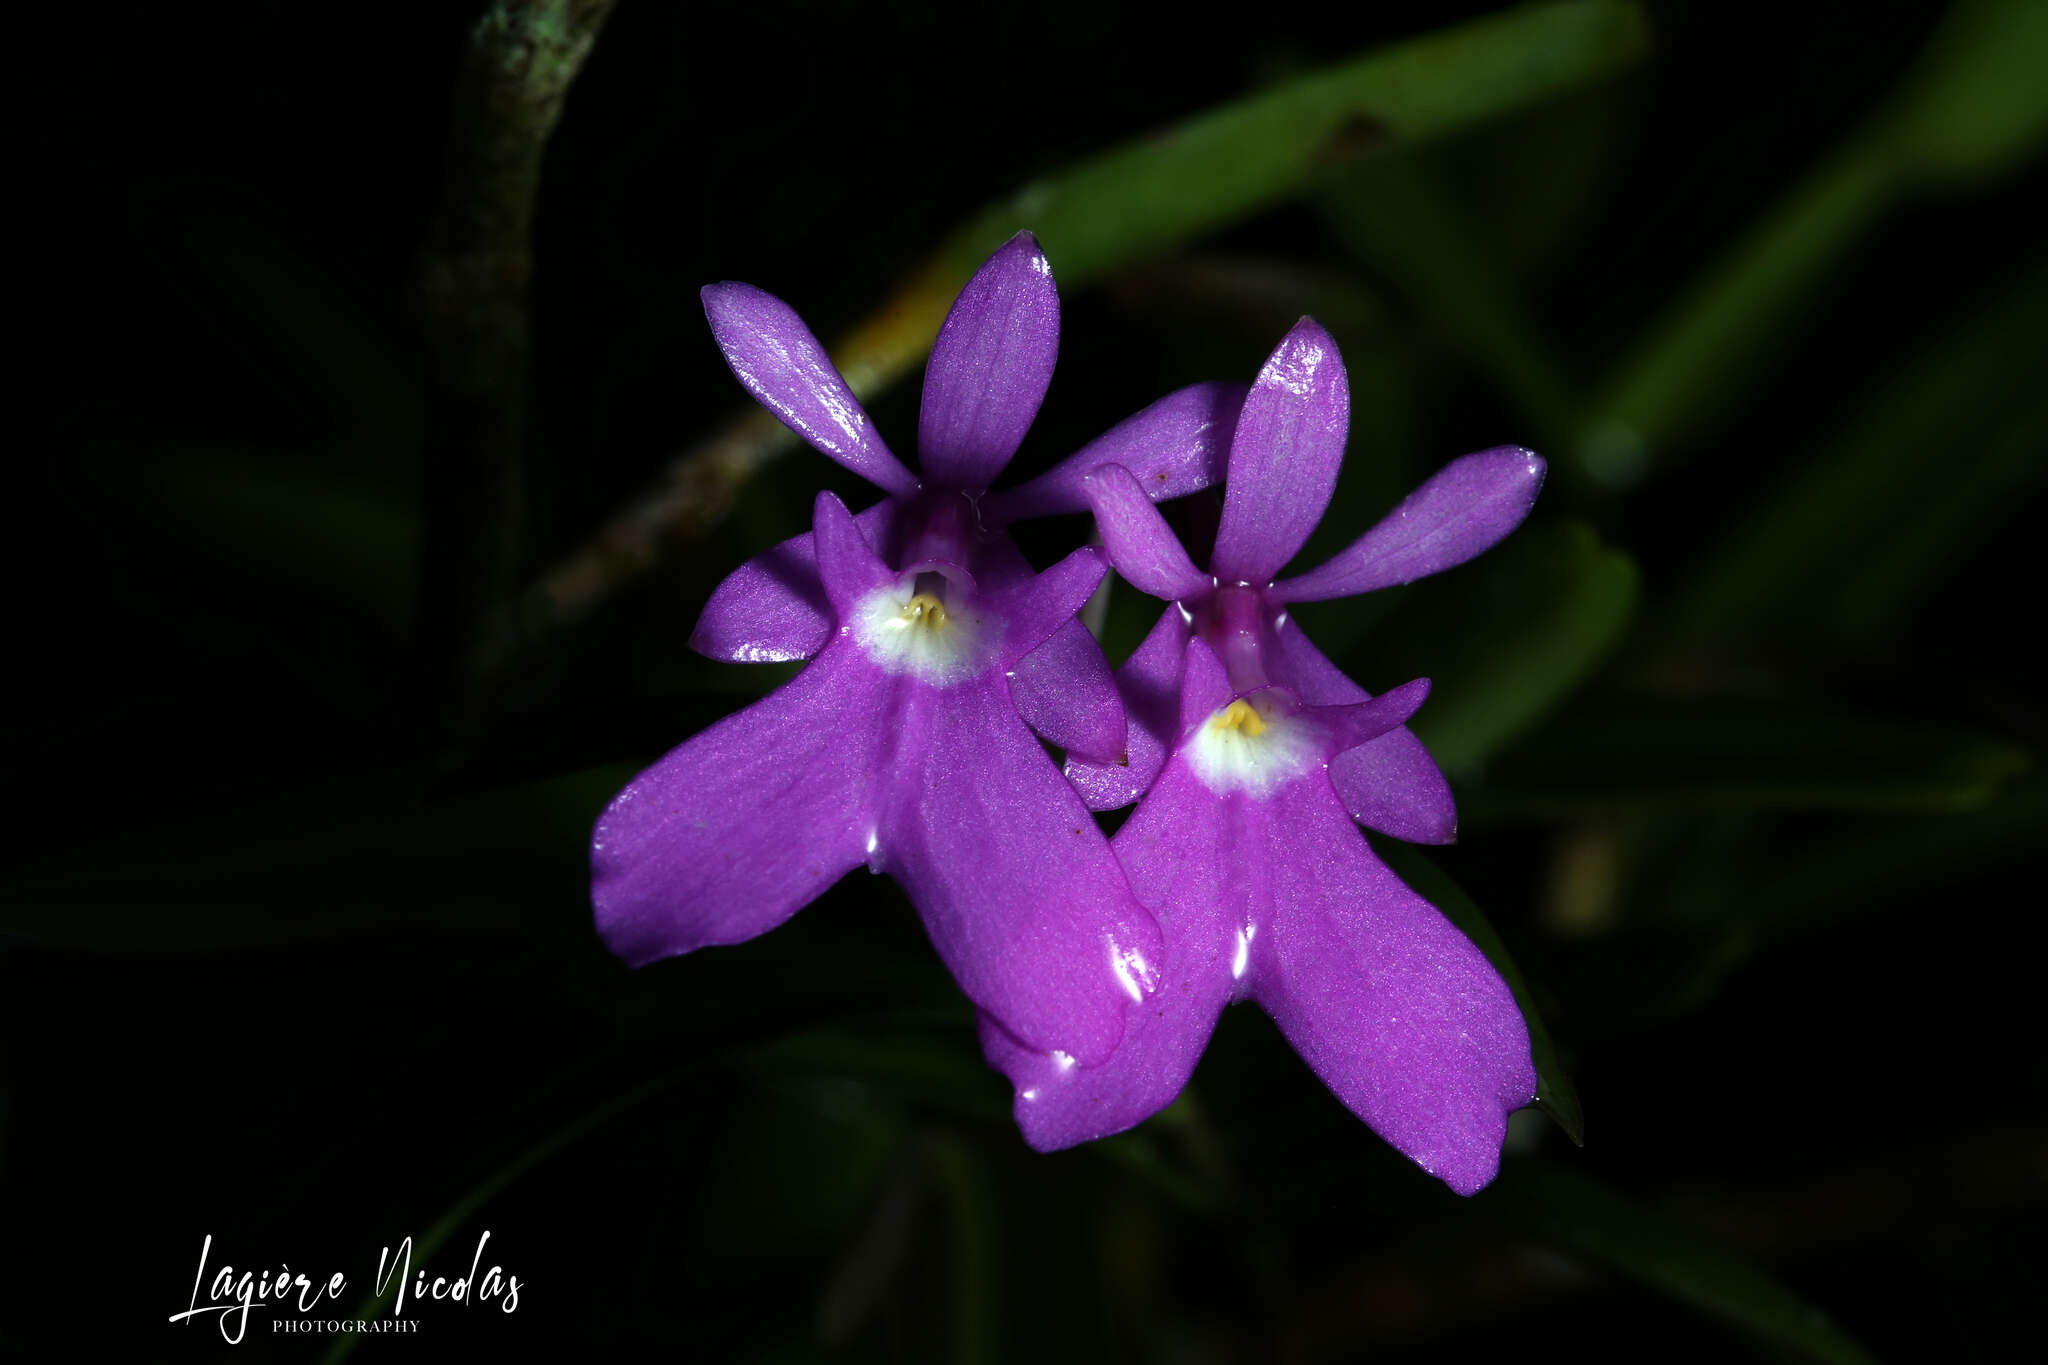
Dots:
{"x": 290, "y": 958}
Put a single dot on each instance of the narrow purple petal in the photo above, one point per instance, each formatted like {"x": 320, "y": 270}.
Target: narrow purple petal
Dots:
{"x": 1362, "y": 722}
{"x": 847, "y": 564}
{"x": 1467, "y": 507}
{"x": 1178, "y": 846}
{"x": 1141, "y": 546}
{"x": 1063, "y": 688}
{"x": 1015, "y": 883}
{"x": 775, "y": 356}
{"x": 1149, "y": 682}
{"x": 773, "y": 608}
{"x": 1390, "y": 784}
{"x": 1284, "y": 457}
{"x": 1175, "y": 447}
{"x": 1204, "y": 685}
{"x": 1400, "y": 1015}
{"x": 1065, "y": 692}
{"x": 1033, "y": 611}
{"x": 990, "y": 367}
{"x": 734, "y": 831}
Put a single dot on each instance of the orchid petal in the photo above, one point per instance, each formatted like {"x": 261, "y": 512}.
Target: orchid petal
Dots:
{"x": 1065, "y": 693}
{"x": 990, "y": 367}
{"x": 1362, "y": 722}
{"x": 1204, "y": 685}
{"x": 1015, "y": 883}
{"x": 741, "y": 826}
{"x": 1063, "y": 688}
{"x": 1036, "y": 609}
{"x": 777, "y": 359}
{"x": 1149, "y": 682}
{"x": 1141, "y": 546}
{"x": 1175, "y": 447}
{"x": 1467, "y": 507}
{"x": 847, "y": 564}
{"x": 1178, "y": 846}
{"x": 1390, "y": 784}
{"x": 1283, "y": 457}
{"x": 1398, "y": 1013}
{"x": 773, "y": 608}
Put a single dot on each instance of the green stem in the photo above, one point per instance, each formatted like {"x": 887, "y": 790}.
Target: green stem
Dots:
{"x": 472, "y": 299}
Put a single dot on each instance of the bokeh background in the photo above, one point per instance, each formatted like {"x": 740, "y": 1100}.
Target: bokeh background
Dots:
{"x": 355, "y": 575}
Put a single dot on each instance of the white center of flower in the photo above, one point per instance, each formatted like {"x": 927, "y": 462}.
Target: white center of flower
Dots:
{"x": 1252, "y": 745}
{"x": 909, "y": 629}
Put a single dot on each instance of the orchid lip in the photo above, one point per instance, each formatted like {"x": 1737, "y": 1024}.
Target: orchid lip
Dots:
{"x": 1255, "y": 744}
{"x": 922, "y": 627}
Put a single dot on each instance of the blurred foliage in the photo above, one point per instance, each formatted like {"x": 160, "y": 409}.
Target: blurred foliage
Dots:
{"x": 1971, "y": 108}
{"x": 1742, "y": 725}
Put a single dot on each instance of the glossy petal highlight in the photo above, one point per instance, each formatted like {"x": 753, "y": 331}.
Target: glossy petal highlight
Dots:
{"x": 1465, "y": 509}
{"x": 990, "y": 367}
{"x": 1284, "y": 457}
{"x": 773, "y": 354}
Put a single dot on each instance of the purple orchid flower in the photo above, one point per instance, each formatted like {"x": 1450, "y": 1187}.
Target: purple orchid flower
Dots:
{"x": 989, "y": 371}
{"x": 1259, "y": 755}
{"x": 901, "y": 744}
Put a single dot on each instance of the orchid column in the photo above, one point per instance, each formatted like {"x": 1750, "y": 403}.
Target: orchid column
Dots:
{"x": 1255, "y": 754}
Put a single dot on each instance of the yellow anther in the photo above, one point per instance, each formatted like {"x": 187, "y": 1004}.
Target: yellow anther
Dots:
{"x": 925, "y": 610}
{"x": 1239, "y": 716}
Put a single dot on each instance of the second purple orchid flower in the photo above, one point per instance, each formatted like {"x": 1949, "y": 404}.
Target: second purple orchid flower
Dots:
{"x": 935, "y": 651}
{"x": 1255, "y": 755}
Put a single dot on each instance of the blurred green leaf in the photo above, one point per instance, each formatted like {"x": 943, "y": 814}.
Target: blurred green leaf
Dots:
{"x": 1399, "y": 221}
{"x": 976, "y": 1260}
{"x": 1701, "y": 355}
{"x": 1137, "y": 200}
{"x": 1138, "y": 1152}
{"x": 1819, "y": 888}
{"x": 1877, "y": 867}
{"x": 1153, "y": 193}
{"x": 1991, "y": 481}
{"x": 1555, "y": 1094}
{"x": 1637, "y": 754}
{"x": 1867, "y": 519}
{"x": 1504, "y": 640}
{"x": 1975, "y": 106}
{"x": 1587, "y": 1219}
